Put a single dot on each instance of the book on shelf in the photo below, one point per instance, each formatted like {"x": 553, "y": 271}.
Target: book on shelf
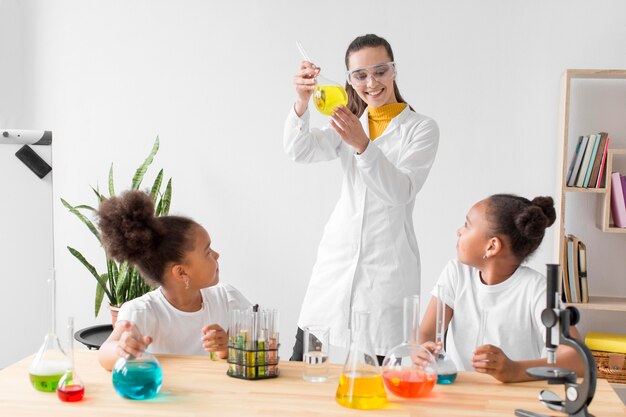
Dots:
{"x": 566, "y": 296}
{"x": 597, "y": 160}
{"x": 601, "y": 175}
{"x": 623, "y": 186}
{"x": 572, "y": 269}
{"x": 592, "y": 160}
{"x": 618, "y": 205}
{"x": 575, "y": 288}
{"x": 572, "y": 163}
{"x": 582, "y": 272}
{"x": 584, "y": 165}
{"x": 580, "y": 152}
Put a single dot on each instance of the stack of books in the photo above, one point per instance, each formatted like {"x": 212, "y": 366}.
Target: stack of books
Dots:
{"x": 586, "y": 169}
{"x": 575, "y": 288}
{"x": 618, "y": 199}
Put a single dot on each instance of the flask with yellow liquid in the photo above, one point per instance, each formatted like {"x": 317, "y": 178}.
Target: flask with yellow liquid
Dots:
{"x": 328, "y": 94}
{"x": 361, "y": 385}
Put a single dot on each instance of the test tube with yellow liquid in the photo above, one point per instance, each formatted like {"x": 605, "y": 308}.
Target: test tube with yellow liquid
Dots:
{"x": 328, "y": 95}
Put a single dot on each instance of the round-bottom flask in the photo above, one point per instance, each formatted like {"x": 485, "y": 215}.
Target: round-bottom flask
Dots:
{"x": 137, "y": 378}
{"x": 409, "y": 370}
{"x": 447, "y": 370}
{"x": 70, "y": 388}
{"x": 360, "y": 383}
{"x": 328, "y": 95}
{"x": 446, "y": 367}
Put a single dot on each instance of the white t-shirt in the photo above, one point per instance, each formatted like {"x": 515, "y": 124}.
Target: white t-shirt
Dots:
{"x": 180, "y": 332}
{"x": 512, "y": 308}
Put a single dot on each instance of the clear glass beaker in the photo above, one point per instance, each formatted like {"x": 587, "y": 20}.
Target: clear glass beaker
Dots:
{"x": 70, "y": 388}
{"x": 328, "y": 95}
{"x": 446, "y": 369}
{"x": 409, "y": 370}
{"x": 138, "y": 378}
{"x": 360, "y": 383}
{"x": 50, "y": 362}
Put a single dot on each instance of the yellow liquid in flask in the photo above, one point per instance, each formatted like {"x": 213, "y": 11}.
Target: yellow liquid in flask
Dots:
{"x": 360, "y": 390}
{"x": 327, "y": 97}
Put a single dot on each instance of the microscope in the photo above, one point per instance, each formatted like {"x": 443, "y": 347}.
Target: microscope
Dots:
{"x": 578, "y": 396}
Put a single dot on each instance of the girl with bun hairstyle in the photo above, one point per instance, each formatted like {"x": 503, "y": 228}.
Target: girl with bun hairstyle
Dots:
{"x": 187, "y": 314}
{"x": 488, "y": 282}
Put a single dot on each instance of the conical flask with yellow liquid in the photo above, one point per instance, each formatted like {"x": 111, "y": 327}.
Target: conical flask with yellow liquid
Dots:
{"x": 328, "y": 94}
{"x": 360, "y": 384}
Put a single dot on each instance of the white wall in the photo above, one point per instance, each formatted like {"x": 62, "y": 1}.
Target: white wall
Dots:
{"x": 214, "y": 81}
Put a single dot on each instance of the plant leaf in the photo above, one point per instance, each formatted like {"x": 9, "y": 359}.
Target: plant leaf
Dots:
{"x": 84, "y": 219}
{"x": 167, "y": 199}
{"x": 99, "y": 296}
{"x": 111, "y": 183}
{"x": 122, "y": 283}
{"x": 97, "y": 194}
{"x": 141, "y": 171}
{"x": 156, "y": 187}
{"x": 93, "y": 271}
{"x": 85, "y": 206}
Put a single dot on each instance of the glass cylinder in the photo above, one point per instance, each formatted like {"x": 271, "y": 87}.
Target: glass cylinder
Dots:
{"x": 409, "y": 370}
{"x": 360, "y": 383}
{"x": 138, "y": 378}
{"x": 50, "y": 362}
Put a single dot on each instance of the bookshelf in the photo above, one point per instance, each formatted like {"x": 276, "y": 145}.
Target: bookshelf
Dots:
{"x": 594, "y": 101}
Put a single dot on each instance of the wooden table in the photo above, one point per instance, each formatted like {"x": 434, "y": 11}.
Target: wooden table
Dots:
{"x": 195, "y": 386}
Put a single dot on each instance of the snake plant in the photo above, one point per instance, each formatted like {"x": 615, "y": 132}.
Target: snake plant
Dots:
{"x": 121, "y": 282}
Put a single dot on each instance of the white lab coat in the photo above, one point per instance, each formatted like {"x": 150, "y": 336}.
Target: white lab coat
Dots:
{"x": 368, "y": 258}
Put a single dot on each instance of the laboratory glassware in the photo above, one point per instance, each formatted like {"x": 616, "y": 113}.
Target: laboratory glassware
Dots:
{"x": 315, "y": 353}
{"x": 138, "y": 378}
{"x": 50, "y": 362}
{"x": 410, "y": 370}
{"x": 328, "y": 94}
{"x": 446, "y": 369}
{"x": 70, "y": 387}
{"x": 360, "y": 383}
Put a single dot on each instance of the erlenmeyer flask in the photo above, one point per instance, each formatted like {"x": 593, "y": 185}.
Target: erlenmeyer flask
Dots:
{"x": 138, "y": 378}
{"x": 446, "y": 367}
{"x": 360, "y": 383}
{"x": 70, "y": 388}
{"x": 409, "y": 370}
{"x": 328, "y": 95}
{"x": 50, "y": 363}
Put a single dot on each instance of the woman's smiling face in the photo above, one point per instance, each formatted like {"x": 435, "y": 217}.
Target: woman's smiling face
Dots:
{"x": 378, "y": 89}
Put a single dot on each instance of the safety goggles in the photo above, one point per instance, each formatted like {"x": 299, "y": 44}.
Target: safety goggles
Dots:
{"x": 379, "y": 72}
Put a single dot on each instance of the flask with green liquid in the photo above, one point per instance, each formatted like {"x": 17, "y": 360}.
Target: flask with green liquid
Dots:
{"x": 50, "y": 362}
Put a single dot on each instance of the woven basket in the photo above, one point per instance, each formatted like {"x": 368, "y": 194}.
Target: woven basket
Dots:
{"x": 614, "y": 373}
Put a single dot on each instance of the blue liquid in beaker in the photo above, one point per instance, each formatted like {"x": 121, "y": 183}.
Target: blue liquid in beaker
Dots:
{"x": 139, "y": 380}
{"x": 446, "y": 378}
